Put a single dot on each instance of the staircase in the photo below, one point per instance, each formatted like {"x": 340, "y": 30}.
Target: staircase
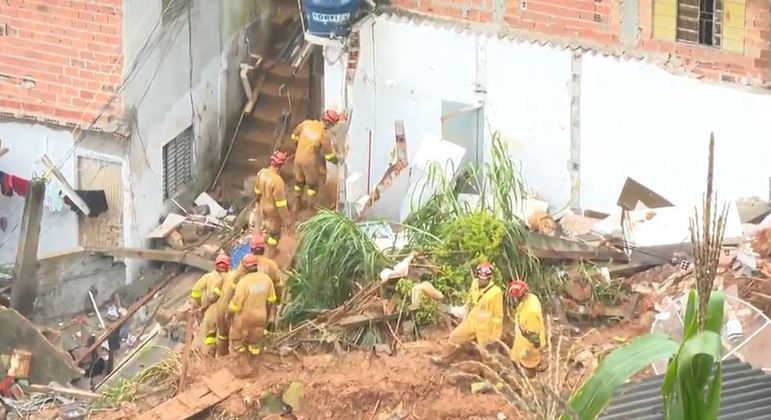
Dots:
{"x": 279, "y": 91}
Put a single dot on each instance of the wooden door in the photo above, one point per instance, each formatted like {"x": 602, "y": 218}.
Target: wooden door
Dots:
{"x": 106, "y": 230}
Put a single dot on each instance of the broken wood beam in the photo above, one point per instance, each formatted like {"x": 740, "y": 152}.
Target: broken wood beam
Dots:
{"x": 25, "y": 285}
{"x": 70, "y": 392}
{"x": 553, "y": 248}
{"x": 131, "y": 311}
{"x": 172, "y": 256}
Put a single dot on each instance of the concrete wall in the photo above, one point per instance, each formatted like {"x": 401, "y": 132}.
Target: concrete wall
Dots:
{"x": 27, "y": 142}
{"x": 632, "y": 118}
{"x": 65, "y": 279}
{"x": 161, "y": 95}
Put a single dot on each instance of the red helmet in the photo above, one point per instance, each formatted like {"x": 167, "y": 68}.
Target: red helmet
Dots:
{"x": 485, "y": 270}
{"x": 278, "y": 159}
{"x": 250, "y": 261}
{"x": 257, "y": 241}
{"x": 517, "y": 288}
{"x": 331, "y": 116}
{"x": 222, "y": 262}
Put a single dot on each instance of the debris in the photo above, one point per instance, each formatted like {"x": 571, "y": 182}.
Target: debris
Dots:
{"x": 20, "y": 362}
{"x": 541, "y": 222}
{"x": 293, "y": 396}
{"x": 752, "y": 209}
{"x": 398, "y": 413}
{"x": 179, "y": 257}
{"x": 170, "y": 223}
{"x": 51, "y": 363}
{"x": 215, "y": 388}
{"x": 271, "y": 405}
{"x": 633, "y": 194}
{"x": 117, "y": 324}
{"x": 399, "y": 270}
{"x": 424, "y": 289}
{"x": 553, "y": 248}
{"x": 175, "y": 240}
{"x": 215, "y": 209}
{"x": 72, "y": 412}
{"x": 383, "y": 350}
{"x": 70, "y": 392}
{"x": 481, "y": 387}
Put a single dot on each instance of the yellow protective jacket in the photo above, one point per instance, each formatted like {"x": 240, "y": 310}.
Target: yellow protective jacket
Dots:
{"x": 269, "y": 267}
{"x": 528, "y": 323}
{"x": 208, "y": 289}
{"x": 228, "y": 288}
{"x": 485, "y": 317}
{"x": 312, "y": 137}
{"x": 252, "y": 296}
{"x": 270, "y": 191}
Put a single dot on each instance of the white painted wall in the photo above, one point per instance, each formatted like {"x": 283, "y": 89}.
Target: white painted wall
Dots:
{"x": 27, "y": 143}
{"x": 636, "y": 119}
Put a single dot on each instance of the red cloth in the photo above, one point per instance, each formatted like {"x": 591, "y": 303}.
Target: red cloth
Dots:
{"x": 20, "y": 186}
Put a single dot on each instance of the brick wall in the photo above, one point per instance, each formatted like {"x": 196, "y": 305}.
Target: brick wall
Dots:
{"x": 61, "y": 60}
{"x": 743, "y": 57}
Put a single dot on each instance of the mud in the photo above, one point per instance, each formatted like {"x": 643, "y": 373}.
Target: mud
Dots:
{"x": 363, "y": 385}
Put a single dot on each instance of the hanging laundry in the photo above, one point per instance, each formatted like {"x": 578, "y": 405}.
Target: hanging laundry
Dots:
{"x": 54, "y": 201}
{"x": 95, "y": 199}
{"x": 12, "y": 184}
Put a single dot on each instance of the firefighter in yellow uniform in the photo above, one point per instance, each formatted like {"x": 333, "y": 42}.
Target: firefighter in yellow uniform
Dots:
{"x": 270, "y": 192}
{"x": 223, "y": 320}
{"x": 309, "y": 170}
{"x": 250, "y": 308}
{"x": 205, "y": 294}
{"x": 267, "y": 265}
{"x": 529, "y": 330}
{"x": 484, "y": 320}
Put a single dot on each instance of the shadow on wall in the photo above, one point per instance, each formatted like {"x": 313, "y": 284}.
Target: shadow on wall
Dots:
{"x": 64, "y": 280}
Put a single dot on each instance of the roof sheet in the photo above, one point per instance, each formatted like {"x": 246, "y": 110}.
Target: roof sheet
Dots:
{"x": 746, "y": 396}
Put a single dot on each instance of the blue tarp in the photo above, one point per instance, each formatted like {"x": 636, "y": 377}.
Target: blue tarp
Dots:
{"x": 239, "y": 251}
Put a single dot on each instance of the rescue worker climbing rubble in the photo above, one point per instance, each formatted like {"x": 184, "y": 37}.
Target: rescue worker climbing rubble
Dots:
{"x": 484, "y": 318}
{"x": 529, "y": 331}
{"x": 250, "y": 308}
{"x": 205, "y": 294}
{"x": 267, "y": 266}
{"x": 309, "y": 170}
{"x": 270, "y": 192}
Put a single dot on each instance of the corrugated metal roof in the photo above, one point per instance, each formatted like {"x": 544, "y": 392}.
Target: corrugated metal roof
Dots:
{"x": 746, "y": 396}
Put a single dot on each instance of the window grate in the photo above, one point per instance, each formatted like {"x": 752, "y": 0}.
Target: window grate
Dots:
{"x": 700, "y": 21}
{"x": 177, "y": 163}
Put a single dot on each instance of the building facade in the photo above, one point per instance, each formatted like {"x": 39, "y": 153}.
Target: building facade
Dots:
{"x": 585, "y": 93}
{"x": 130, "y": 97}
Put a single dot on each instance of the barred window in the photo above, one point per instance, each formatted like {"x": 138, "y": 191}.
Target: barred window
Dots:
{"x": 177, "y": 163}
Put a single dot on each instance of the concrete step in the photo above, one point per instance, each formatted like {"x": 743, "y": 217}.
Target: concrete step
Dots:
{"x": 269, "y": 108}
{"x": 283, "y": 71}
{"x": 296, "y": 88}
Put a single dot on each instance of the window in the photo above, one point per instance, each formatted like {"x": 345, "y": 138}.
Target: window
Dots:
{"x": 716, "y": 23}
{"x": 172, "y": 9}
{"x": 699, "y": 21}
{"x": 177, "y": 163}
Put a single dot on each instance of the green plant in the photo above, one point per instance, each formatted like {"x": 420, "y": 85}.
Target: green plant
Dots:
{"x": 332, "y": 255}
{"x": 161, "y": 378}
{"x": 687, "y": 390}
{"x": 489, "y": 229}
{"x": 427, "y": 312}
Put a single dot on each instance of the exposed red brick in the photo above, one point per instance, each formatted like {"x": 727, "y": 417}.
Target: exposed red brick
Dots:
{"x": 72, "y": 50}
{"x": 598, "y": 23}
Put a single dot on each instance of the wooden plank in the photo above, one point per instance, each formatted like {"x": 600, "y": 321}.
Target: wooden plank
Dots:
{"x": 219, "y": 386}
{"x": 173, "y": 256}
{"x": 71, "y": 392}
{"x": 131, "y": 311}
